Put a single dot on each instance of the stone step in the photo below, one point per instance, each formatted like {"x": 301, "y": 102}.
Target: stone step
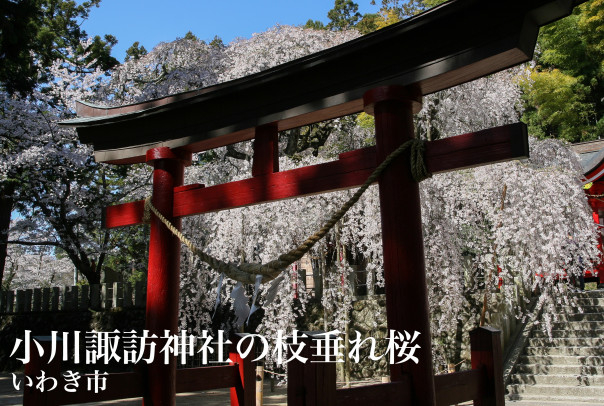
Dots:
{"x": 579, "y": 325}
{"x": 568, "y": 333}
{"x": 589, "y": 360}
{"x": 553, "y": 400}
{"x": 556, "y": 390}
{"x": 567, "y": 342}
{"x": 584, "y": 308}
{"x": 589, "y": 293}
{"x": 590, "y": 301}
{"x": 559, "y": 369}
{"x": 559, "y": 380}
{"x": 597, "y": 350}
{"x": 567, "y": 369}
{"x": 581, "y": 317}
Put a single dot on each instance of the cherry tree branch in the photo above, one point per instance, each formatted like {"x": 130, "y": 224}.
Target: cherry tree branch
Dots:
{"x": 34, "y": 243}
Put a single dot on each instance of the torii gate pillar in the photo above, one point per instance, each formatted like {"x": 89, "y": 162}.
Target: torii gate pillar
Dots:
{"x": 404, "y": 269}
{"x": 163, "y": 276}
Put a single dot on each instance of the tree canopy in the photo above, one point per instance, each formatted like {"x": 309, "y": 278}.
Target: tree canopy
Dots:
{"x": 35, "y": 33}
{"x": 46, "y": 175}
{"x": 564, "y": 88}
{"x": 344, "y": 14}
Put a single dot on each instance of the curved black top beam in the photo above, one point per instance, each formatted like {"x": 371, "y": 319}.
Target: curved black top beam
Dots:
{"x": 456, "y": 42}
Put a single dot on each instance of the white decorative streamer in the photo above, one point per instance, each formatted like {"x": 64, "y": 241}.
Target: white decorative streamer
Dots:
{"x": 254, "y": 307}
{"x": 240, "y": 303}
{"x": 218, "y": 289}
{"x": 273, "y": 289}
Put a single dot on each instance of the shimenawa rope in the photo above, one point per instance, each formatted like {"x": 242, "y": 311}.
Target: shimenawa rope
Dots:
{"x": 246, "y": 272}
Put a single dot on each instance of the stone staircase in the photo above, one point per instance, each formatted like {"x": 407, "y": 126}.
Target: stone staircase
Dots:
{"x": 570, "y": 369}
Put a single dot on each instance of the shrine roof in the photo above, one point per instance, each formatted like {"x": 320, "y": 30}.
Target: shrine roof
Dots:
{"x": 453, "y": 43}
{"x": 591, "y": 157}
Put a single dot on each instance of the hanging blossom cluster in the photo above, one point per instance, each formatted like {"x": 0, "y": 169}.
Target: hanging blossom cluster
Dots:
{"x": 171, "y": 68}
{"x": 483, "y": 103}
{"x": 263, "y": 232}
{"x": 277, "y": 46}
{"x": 188, "y": 64}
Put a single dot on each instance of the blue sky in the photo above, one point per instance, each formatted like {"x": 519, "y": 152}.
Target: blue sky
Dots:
{"x": 153, "y": 21}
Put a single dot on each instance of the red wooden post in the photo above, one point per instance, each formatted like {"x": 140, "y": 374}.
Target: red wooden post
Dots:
{"x": 312, "y": 383}
{"x": 266, "y": 150}
{"x": 163, "y": 277}
{"x": 244, "y": 393}
{"x": 295, "y": 381}
{"x": 404, "y": 271}
{"x": 485, "y": 344}
{"x": 34, "y": 368}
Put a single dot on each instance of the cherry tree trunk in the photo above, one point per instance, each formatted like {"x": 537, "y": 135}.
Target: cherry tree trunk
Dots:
{"x": 6, "y": 208}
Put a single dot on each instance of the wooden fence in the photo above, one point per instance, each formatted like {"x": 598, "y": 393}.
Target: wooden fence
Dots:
{"x": 73, "y": 298}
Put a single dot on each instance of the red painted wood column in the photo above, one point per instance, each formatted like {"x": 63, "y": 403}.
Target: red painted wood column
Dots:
{"x": 404, "y": 271}
{"x": 244, "y": 393}
{"x": 38, "y": 363}
{"x": 266, "y": 150}
{"x": 485, "y": 345}
{"x": 163, "y": 277}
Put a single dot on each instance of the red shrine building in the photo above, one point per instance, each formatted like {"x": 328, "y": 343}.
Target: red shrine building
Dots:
{"x": 591, "y": 156}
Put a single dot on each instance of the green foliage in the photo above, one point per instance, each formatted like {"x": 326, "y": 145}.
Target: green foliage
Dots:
{"x": 315, "y": 25}
{"x": 190, "y": 36}
{"x": 564, "y": 93}
{"x": 393, "y": 11}
{"x": 82, "y": 282}
{"x": 137, "y": 275}
{"x": 344, "y": 14}
{"x": 17, "y": 31}
{"x": 365, "y": 121}
{"x": 34, "y": 33}
{"x": 592, "y": 25}
{"x": 135, "y": 52}
{"x": 217, "y": 42}
{"x": 368, "y": 23}
{"x": 406, "y": 8}
{"x": 402, "y": 9}
{"x": 561, "y": 110}
{"x": 129, "y": 253}
{"x": 100, "y": 52}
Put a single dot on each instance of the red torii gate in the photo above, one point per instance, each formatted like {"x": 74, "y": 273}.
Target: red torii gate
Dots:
{"x": 384, "y": 73}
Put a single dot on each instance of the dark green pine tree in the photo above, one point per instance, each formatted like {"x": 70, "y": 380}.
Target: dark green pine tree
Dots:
{"x": 33, "y": 34}
{"x": 344, "y": 14}
{"x": 40, "y": 30}
{"x": 135, "y": 52}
